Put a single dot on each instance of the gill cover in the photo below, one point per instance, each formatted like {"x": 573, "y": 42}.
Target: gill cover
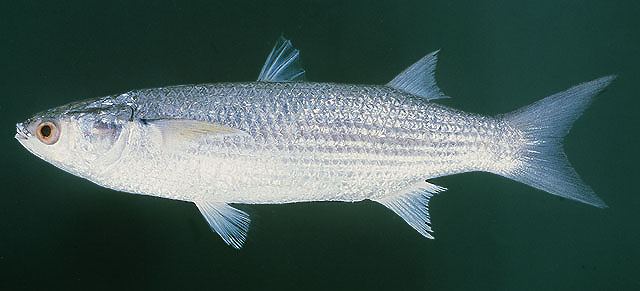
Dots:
{"x": 101, "y": 128}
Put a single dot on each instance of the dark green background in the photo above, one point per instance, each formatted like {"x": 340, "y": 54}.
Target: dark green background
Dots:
{"x": 59, "y": 231}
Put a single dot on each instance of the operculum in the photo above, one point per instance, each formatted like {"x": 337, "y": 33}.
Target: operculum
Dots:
{"x": 115, "y": 149}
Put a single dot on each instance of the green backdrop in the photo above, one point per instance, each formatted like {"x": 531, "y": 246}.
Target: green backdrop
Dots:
{"x": 58, "y": 231}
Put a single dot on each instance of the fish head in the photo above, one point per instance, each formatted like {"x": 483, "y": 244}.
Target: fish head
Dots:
{"x": 77, "y": 137}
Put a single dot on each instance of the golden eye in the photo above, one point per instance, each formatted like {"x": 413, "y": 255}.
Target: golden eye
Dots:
{"x": 47, "y": 132}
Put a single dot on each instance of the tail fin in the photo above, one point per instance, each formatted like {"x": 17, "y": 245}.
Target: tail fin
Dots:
{"x": 545, "y": 124}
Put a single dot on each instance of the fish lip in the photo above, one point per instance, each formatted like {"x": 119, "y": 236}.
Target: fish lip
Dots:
{"x": 21, "y": 132}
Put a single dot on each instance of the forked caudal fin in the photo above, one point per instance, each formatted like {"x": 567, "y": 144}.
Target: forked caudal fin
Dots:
{"x": 544, "y": 124}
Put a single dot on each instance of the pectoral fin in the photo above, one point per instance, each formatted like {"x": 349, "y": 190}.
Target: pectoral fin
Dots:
{"x": 179, "y": 130}
{"x": 412, "y": 204}
{"x": 230, "y": 223}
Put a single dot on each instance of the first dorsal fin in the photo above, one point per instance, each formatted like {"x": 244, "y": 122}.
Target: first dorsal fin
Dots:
{"x": 412, "y": 204}
{"x": 282, "y": 64}
{"x": 419, "y": 79}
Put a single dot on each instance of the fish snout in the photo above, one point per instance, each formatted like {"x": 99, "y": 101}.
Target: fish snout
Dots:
{"x": 22, "y": 133}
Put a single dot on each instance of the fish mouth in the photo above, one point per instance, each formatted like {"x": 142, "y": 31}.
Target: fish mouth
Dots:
{"x": 21, "y": 132}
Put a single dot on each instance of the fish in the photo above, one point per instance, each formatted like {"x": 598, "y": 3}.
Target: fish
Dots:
{"x": 281, "y": 139}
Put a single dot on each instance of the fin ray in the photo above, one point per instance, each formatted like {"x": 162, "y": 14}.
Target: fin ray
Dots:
{"x": 412, "y": 205}
{"x": 282, "y": 64}
{"x": 419, "y": 79}
{"x": 180, "y": 130}
{"x": 229, "y": 223}
{"x": 544, "y": 124}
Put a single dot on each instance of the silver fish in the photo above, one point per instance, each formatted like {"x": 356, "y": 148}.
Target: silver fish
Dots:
{"x": 282, "y": 140}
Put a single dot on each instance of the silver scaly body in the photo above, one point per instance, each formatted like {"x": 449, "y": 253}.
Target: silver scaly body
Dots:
{"x": 304, "y": 142}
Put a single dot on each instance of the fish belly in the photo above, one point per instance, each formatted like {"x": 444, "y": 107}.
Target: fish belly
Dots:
{"x": 236, "y": 171}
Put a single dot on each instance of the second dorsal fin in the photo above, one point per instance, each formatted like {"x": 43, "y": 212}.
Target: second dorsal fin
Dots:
{"x": 282, "y": 64}
{"x": 419, "y": 79}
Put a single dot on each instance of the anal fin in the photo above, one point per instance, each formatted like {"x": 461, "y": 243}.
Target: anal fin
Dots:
{"x": 230, "y": 223}
{"x": 412, "y": 204}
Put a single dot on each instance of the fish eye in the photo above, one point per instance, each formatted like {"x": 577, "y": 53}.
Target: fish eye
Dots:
{"x": 47, "y": 132}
